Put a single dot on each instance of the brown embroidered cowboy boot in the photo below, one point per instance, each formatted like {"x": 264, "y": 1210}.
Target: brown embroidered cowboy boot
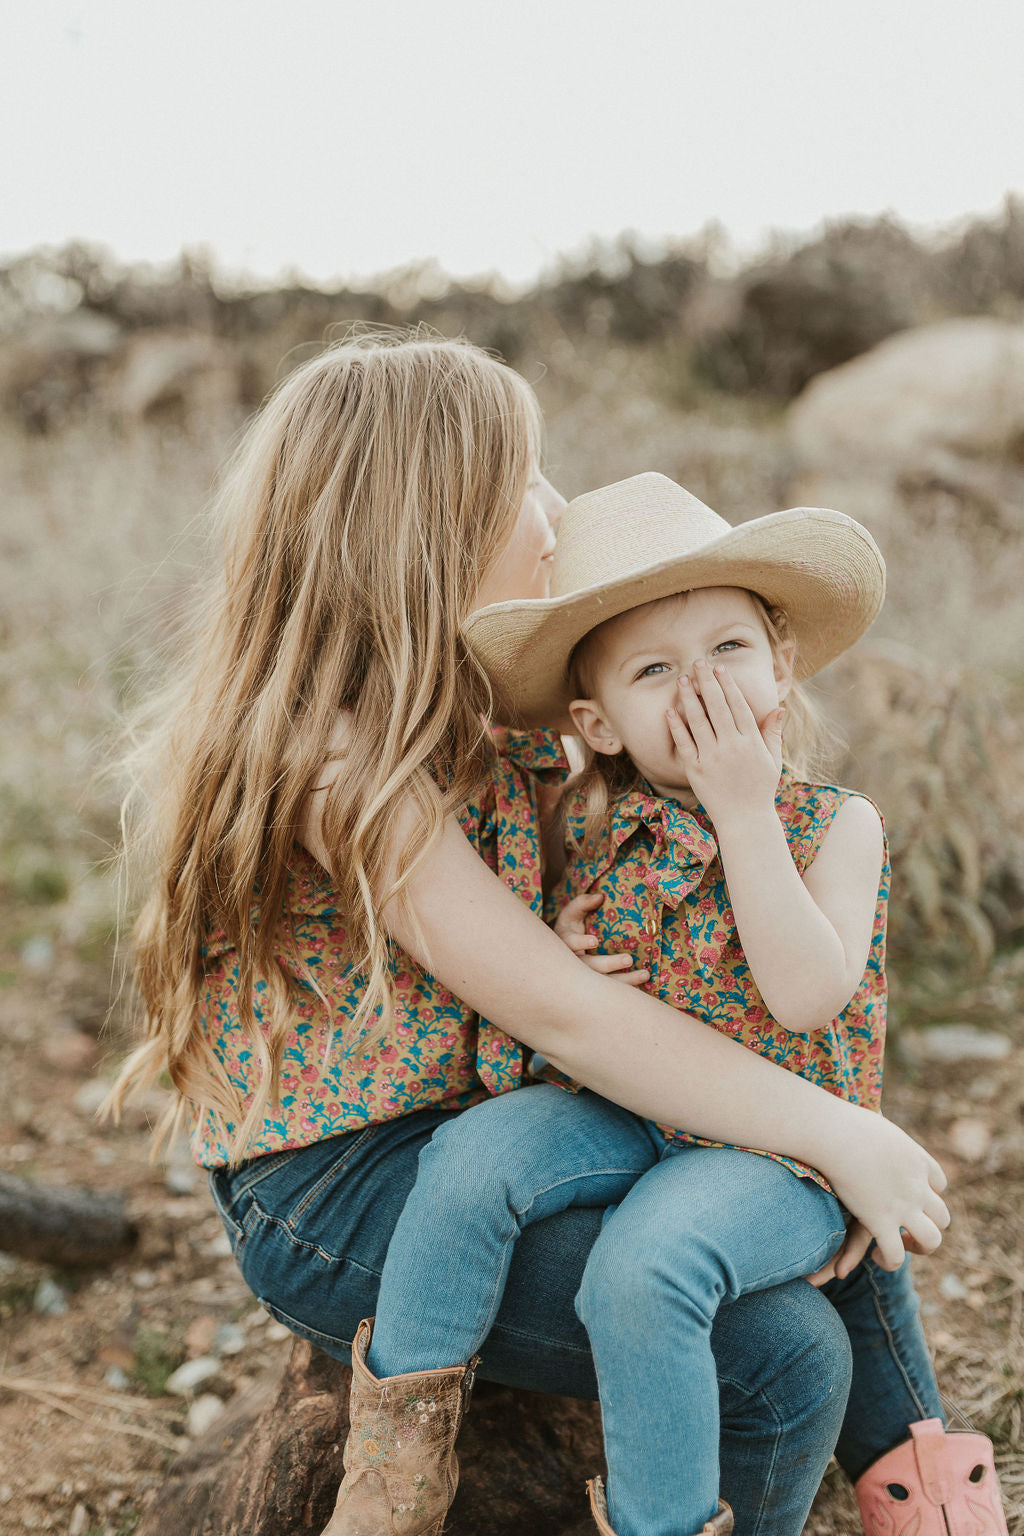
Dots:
{"x": 401, "y": 1471}
{"x": 718, "y": 1525}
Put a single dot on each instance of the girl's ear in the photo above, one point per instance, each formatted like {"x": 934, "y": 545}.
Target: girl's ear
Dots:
{"x": 593, "y": 727}
{"x": 785, "y": 658}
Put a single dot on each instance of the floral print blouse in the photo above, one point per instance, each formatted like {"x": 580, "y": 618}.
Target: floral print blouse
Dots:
{"x": 666, "y": 902}
{"x": 437, "y": 1051}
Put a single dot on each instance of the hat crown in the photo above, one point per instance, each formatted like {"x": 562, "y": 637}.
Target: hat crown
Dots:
{"x": 629, "y": 526}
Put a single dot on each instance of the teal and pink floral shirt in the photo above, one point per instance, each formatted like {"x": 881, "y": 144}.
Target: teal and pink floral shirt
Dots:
{"x": 667, "y": 903}
{"x": 437, "y": 1052}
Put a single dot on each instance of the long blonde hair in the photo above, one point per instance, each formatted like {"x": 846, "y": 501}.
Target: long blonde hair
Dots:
{"x": 808, "y": 739}
{"x": 365, "y": 501}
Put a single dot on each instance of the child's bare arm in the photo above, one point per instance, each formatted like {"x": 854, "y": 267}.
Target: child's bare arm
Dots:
{"x": 806, "y": 940}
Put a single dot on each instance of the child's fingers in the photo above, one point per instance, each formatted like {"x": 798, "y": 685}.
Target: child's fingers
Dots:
{"x": 889, "y": 1250}
{"x": 631, "y": 978}
{"x": 580, "y": 907}
{"x": 937, "y": 1210}
{"x": 692, "y": 711}
{"x": 580, "y": 943}
{"x": 925, "y": 1233}
{"x": 607, "y": 965}
{"x": 680, "y": 733}
{"x": 858, "y": 1241}
{"x": 936, "y": 1174}
{"x": 714, "y": 700}
{"x": 739, "y": 709}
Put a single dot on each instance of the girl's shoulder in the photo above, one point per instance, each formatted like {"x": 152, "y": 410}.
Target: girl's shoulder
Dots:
{"x": 540, "y": 753}
{"x": 810, "y": 809}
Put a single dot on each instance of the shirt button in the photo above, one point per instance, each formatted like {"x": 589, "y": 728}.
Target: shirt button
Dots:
{"x": 650, "y": 925}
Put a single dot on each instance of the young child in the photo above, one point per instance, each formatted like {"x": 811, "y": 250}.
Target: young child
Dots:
{"x": 738, "y": 891}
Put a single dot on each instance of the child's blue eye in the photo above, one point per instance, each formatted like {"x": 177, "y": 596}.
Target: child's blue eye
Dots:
{"x": 654, "y": 669}
{"x": 728, "y": 645}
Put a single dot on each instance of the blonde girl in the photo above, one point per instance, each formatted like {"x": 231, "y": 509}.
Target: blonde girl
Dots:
{"x": 339, "y": 873}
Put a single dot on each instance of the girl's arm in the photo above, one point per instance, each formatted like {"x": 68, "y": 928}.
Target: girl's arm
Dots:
{"x": 481, "y": 941}
{"x": 806, "y": 940}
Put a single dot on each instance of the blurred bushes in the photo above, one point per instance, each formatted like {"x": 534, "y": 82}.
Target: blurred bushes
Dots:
{"x": 67, "y": 315}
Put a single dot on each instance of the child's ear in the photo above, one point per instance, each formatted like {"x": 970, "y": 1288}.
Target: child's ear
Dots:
{"x": 593, "y": 727}
{"x": 785, "y": 659}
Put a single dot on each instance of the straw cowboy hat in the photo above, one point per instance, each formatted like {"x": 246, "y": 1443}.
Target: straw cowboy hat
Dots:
{"x": 646, "y": 538}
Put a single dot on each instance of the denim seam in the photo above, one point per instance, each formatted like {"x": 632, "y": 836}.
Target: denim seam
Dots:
{"x": 891, "y": 1341}
{"x": 577, "y": 1178}
{"x": 257, "y": 1213}
{"x": 224, "y": 1210}
{"x": 330, "y": 1174}
{"x": 795, "y": 1270}
{"x": 302, "y": 1329}
{"x": 764, "y": 1398}
{"x": 271, "y": 1162}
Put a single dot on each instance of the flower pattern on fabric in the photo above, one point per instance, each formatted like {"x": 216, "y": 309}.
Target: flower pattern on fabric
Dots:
{"x": 436, "y": 1052}
{"x": 666, "y": 903}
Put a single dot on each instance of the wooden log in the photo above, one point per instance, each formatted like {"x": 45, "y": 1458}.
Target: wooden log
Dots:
{"x": 271, "y": 1464}
{"x": 73, "y": 1227}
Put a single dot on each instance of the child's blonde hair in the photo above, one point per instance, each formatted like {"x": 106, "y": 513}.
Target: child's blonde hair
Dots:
{"x": 365, "y": 502}
{"x": 808, "y": 739}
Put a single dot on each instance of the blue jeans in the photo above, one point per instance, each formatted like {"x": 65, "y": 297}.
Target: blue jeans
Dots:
{"x": 310, "y": 1229}
{"x": 694, "y": 1227}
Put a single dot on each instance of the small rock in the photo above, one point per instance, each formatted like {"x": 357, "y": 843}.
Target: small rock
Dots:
{"x": 50, "y": 1299}
{"x": 79, "y": 1520}
{"x": 218, "y": 1247}
{"x": 202, "y": 1413}
{"x": 37, "y": 953}
{"x": 200, "y": 1334}
{"x": 970, "y": 1139}
{"x": 180, "y": 1181}
{"x": 144, "y": 1279}
{"x": 956, "y": 1042}
{"x": 116, "y": 1378}
{"x": 183, "y": 1381}
{"x": 6, "y": 1493}
{"x": 68, "y": 1050}
{"x": 90, "y": 1096}
{"x": 984, "y": 1089}
{"x": 230, "y": 1340}
{"x": 104, "y": 1156}
{"x": 278, "y": 1331}
{"x": 953, "y": 1288}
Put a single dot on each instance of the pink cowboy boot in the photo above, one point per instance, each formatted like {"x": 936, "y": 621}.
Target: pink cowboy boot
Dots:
{"x": 934, "y": 1484}
{"x": 718, "y": 1525}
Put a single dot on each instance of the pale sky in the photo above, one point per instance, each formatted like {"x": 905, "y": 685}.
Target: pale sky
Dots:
{"x": 341, "y": 140}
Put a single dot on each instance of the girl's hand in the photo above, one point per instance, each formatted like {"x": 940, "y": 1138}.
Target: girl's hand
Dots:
{"x": 730, "y": 761}
{"x": 570, "y": 925}
{"x": 892, "y": 1186}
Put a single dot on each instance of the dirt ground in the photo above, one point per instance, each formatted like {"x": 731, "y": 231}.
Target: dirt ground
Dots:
{"x": 86, "y": 1421}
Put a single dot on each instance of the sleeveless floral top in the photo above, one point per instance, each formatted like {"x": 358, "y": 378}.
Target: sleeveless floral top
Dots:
{"x": 437, "y": 1051}
{"x": 666, "y": 902}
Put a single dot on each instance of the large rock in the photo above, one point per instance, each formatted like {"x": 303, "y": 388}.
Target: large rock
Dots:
{"x": 955, "y": 388}
{"x": 48, "y": 366}
{"x": 173, "y": 372}
{"x": 270, "y": 1465}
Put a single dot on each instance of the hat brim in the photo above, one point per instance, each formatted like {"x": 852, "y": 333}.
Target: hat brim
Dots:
{"x": 821, "y": 567}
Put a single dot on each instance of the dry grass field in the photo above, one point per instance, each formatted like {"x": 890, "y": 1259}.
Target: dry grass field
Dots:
{"x": 101, "y": 534}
